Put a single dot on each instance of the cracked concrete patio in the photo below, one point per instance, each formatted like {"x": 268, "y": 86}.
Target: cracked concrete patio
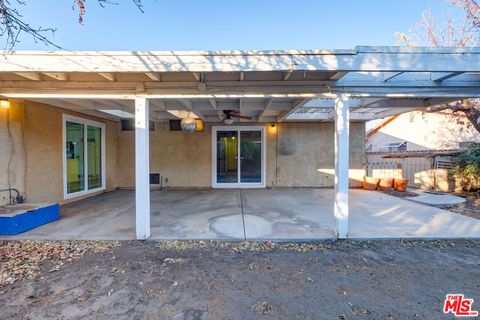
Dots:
{"x": 273, "y": 214}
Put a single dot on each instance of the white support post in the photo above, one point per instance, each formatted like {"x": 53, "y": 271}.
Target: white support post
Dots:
{"x": 342, "y": 150}
{"x": 142, "y": 169}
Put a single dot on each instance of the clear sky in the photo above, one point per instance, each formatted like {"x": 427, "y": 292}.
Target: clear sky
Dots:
{"x": 226, "y": 24}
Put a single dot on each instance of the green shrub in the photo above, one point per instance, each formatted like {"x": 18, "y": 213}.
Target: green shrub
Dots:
{"x": 466, "y": 168}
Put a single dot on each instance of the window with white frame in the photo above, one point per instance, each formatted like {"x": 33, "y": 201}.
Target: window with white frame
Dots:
{"x": 84, "y": 156}
{"x": 397, "y": 146}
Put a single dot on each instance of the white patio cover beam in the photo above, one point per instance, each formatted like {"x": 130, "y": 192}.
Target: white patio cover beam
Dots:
{"x": 142, "y": 169}
{"x": 387, "y": 59}
{"x": 342, "y": 150}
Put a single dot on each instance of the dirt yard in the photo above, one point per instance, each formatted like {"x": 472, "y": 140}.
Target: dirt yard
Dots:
{"x": 471, "y": 208}
{"x": 203, "y": 280}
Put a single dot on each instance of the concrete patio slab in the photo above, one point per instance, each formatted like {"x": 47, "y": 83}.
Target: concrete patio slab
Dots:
{"x": 196, "y": 214}
{"x": 436, "y": 199}
{"x": 277, "y": 214}
{"x": 380, "y": 216}
{"x": 288, "y": 214}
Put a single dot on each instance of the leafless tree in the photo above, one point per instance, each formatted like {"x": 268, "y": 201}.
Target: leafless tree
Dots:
{"x": 449, "y": 32}
{"x": 12, "y": 23}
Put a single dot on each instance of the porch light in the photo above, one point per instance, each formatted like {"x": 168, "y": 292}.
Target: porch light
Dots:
{"x": 188, "y": 124}
{"x": 4, "y": 104}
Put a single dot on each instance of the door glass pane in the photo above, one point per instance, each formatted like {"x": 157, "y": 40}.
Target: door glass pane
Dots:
{"x": 94, "y": 152}
{"x": 227, "y": 157}
{"x": 250, "y": 156}
{"x": 75, "y": 157}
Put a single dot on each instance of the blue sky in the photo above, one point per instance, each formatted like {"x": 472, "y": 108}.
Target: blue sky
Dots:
{"x": 227, "y": 24}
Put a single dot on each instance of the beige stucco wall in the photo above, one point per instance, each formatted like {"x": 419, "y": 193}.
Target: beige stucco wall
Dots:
{"x": 38, "y": 157}
{"x": 12, "y": 149}
{"x": 298, "y": 155}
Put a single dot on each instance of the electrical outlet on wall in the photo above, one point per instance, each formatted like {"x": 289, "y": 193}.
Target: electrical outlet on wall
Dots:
{"x": 166, "y": 180}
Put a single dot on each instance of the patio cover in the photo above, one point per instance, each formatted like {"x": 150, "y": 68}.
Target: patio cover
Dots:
{"x": 270, "y": 86}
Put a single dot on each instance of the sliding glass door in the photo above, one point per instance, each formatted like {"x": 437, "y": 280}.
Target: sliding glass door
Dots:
{"x": 227, "y": 157}
{"x": 238, "y": 157}
{"x": 83, "y": 156}
{"x": 75, "y": 157}
{"x": 251, "y": 156}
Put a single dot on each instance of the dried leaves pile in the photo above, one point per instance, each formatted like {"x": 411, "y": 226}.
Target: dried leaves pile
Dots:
{"x": 243, "y": 246}
{"x": 22, "y": 259}
{"x": 254, "y": 246}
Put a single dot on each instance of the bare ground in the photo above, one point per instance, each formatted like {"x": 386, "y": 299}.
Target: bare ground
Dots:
{"x": 471, "y": 207}
{"x": 198, "y": 280}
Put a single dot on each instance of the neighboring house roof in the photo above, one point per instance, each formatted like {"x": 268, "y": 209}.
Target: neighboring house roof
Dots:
{"x": 380, "y": 125}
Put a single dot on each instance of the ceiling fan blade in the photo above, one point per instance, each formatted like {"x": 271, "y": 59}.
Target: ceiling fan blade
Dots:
{"x": 243, "y": 117}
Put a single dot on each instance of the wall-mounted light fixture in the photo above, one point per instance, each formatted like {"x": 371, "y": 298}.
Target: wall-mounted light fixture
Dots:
{"x": 273, "y": 128}
{"x": 188, "y": 124}
{"x": 4, "y": 104}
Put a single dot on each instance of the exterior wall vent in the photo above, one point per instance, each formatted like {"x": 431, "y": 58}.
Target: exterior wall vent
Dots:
{"x": 129, "y": 125}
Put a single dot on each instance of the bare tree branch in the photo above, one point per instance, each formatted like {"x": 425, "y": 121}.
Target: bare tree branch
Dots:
{"x": 447, "y": 32}
{"x": 468, "y": 107}
{"x": 12, "y": 25}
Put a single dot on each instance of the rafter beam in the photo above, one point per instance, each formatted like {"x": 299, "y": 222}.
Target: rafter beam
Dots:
{"x": 110, "y": 76}
{"x": 365, "y": 103}
{"x": 441, "y": 76}
{"x": 60, "y": 76}
{"x": 186, "y": 103}
{"x": 268, "y": 104}
{"x": 220, "y": 114}
{"x": 154, "y": 76}
{"x": 242, "y": 76}
{"x": 393, "y": 111}
{"x": 35, "y": 76}
{"x": 213, "y": 103}
{"x": 338, "y": 75}
{"x": 297, "y": 104}
{"x": 200, "y": 115}
{"x": 240, "y": 102}
{"x": 287, "y": 75}
{"x": 391, "y": 75}
{"x": 158, "y": 105}
{"x": 199, "y": 76}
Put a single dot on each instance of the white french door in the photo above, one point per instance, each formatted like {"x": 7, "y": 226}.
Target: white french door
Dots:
{"x": 238, "y": 157}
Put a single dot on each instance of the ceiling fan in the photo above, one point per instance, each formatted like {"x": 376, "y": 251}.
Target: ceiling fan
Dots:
{"x": 231, "y": 114}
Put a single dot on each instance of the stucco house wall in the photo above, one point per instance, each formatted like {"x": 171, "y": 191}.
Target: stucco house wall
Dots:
{"x": 297, "y": 154}
{"x": 37, "y": 162}
{"x": 424, "y": 131}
